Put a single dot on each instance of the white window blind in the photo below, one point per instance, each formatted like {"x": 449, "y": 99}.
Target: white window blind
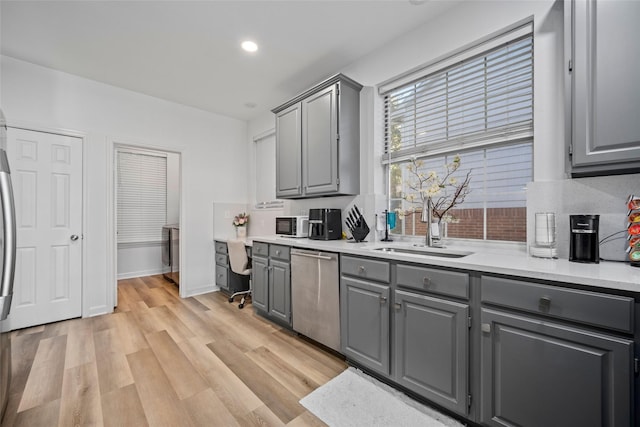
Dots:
{"x": 480, "y": 100}
{"x": 142, "y": 196}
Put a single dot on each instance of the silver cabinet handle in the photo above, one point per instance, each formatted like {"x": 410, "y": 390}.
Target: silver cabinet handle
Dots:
{"x": 383, "y": 300}
{"x": 312, "y": 255}
{"x": 74, "y": 237}
{"x": 486, "y": 327}
{"x": 426, "y": 281}
{"x": 361, "y": 269}
{"x": 397, "y": 306}
{"x": 545, "y": 303}
{"x": 278, "y": 252}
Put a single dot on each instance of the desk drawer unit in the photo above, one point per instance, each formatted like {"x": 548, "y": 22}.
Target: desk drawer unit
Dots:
{"x": 221, "y": 247}
{"x": 221, "y": 259}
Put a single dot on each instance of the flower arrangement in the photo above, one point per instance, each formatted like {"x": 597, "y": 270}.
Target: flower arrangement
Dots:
{"x": 241, "y": 220}
{"x": 442, "y": 193}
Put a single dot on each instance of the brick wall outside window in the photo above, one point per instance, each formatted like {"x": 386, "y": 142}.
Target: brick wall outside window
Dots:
{"x": 508, "y": 224}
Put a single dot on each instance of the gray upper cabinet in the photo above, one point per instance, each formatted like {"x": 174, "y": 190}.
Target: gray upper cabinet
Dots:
{"x": 288, "y": 152}
{"x": 603, "y": 65}
{"x": 318, "y": 141}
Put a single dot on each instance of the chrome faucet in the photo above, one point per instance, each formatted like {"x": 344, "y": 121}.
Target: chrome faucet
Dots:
{"x": 427, "y": 216}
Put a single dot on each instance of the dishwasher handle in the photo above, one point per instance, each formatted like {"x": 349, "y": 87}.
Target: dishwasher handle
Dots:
{"x": 308, "y": 255}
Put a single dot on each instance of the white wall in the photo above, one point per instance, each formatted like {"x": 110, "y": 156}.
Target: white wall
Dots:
{"x": 456, "y": 28}
{"x": 212, "y": 146}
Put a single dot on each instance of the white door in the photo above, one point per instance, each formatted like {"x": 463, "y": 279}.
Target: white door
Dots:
{"x": 46, "y": 170}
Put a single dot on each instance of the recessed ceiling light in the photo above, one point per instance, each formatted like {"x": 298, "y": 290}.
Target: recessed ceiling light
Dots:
{"x": 250, "y": 104}
{"x": 249, "y": 46}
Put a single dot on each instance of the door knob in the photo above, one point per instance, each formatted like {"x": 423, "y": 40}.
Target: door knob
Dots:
{"x": 74, "y": 237}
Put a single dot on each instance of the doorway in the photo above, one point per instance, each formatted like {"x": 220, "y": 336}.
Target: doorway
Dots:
{"x": 146, "y": 183}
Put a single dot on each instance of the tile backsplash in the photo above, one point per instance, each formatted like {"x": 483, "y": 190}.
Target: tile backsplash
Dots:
{"x": 605, "y": 196}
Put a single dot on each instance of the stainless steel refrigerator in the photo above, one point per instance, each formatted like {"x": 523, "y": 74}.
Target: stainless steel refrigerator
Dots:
{"x": 8, "y": 263}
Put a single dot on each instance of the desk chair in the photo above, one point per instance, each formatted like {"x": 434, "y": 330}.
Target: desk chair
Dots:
{"x": 239, "y": 265}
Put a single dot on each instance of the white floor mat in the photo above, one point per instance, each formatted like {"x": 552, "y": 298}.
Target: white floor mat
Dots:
{"x": 354, "y": 399}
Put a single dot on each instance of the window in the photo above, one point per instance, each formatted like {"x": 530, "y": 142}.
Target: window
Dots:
{"x": 141, "y": 195}
{"x": 477, "y": 105}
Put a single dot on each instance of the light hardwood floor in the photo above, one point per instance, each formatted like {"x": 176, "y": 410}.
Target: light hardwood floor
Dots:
{"x": 164, "y": 361}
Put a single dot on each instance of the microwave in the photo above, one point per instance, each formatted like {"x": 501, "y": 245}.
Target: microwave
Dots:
{"x": 292, "y": 226}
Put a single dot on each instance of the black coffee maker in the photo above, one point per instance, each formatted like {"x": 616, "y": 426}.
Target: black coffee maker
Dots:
{"x": 584, "y": 244}
{"x": 325, "y": 224}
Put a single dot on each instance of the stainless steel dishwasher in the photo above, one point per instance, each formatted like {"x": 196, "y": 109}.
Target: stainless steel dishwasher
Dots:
{"x": 315, "y": 296}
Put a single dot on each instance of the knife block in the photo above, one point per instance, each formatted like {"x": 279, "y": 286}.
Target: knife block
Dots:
{"x": 360, "y": 232}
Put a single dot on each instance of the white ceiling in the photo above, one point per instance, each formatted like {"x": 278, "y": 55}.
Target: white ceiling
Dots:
{"x": 189, "y": 51}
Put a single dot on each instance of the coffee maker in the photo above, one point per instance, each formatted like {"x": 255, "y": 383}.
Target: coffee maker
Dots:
{"x": 325, "y": 224}
{"x": 584, "y": 244}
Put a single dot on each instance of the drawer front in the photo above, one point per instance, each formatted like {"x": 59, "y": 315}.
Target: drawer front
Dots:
{"x": 365, "y": 268}
{"x": 221, "y": 259}
{"x": 608, "y": 311}
{"x": 260, "y": 249}
{"x": 221, "y": 276}
{"x": 280, "y": 252}
{"x": 221, "y": 247}
{"x": 442, "y": 282}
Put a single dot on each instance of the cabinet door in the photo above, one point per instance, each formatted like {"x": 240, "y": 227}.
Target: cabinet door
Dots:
{"x": 539, "y": 373}
{"x": 320, "y": 142}
{"x": 606, "y": 66}
{"x": 280, "y": 291}
{"x": 260, "y": 283}
{"x": 289, "y": 152}
{"x": 432, "y": 348}
{"x": 222, "y": 273}
{"x": 364, "y": 312}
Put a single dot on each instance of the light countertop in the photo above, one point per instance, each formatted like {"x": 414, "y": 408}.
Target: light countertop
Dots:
{"x": 512, "y": 261}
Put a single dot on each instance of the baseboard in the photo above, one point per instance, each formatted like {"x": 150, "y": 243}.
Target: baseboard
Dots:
{"x": 132, "y": 274}
{"x": 202, "y": 290}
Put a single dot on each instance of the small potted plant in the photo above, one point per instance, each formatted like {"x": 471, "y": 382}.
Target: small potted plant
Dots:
{"x": 240, "y": 222}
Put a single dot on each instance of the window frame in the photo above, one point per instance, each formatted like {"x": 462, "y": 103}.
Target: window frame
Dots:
{"x": 482, "y": 50}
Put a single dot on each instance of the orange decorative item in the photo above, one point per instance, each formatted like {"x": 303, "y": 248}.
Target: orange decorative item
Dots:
{"x": 633, "y": 229}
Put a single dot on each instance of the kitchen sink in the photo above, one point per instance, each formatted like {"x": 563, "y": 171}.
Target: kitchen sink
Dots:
{"x": 436, "y": 252}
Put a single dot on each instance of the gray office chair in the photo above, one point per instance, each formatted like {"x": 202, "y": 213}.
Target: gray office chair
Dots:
{"x": 239, "y": 265}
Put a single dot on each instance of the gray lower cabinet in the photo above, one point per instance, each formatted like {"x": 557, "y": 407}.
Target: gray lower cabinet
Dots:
{"x": 260, "y": 282}
{"x": 603, "y": 66}
{"x": 553, "y": 355}
{"x": 271, "y": 273}
{"x": 541, "y": 373}
{"x": 364, "y": 308}
{"x": 280, "y": 290}
{"x": 431, "y": 347}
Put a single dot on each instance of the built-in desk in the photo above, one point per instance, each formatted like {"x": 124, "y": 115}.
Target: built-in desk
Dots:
{"x": 228, "y": 281}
